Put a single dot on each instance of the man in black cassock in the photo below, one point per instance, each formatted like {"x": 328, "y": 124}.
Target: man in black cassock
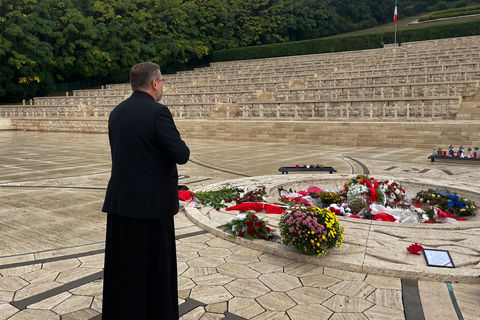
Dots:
{"x": 140, "y": 275}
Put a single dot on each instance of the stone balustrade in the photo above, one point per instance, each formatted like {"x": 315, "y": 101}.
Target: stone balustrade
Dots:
{"x": 55, "y": 111}
{"x": 192, "y": 111}
{"x": 103, "y": 92}
{"x": 412, "y": 90}
{"x": 407, "y": 78}
{"x": 226, "y": 97}
{"x": 373, "y": 109}
{"x": 74, "y": 101}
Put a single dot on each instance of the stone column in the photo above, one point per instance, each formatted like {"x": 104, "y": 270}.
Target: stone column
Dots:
{"x": 23, "y": 102}
{"x": 278, "y": 111}
{"x": 228, "y": 112}
{"x": 408, "y": 110}
{"x": 295, "y": 112}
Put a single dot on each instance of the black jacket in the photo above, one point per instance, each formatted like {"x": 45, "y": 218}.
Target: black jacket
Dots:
{"x": 145, "y": 147}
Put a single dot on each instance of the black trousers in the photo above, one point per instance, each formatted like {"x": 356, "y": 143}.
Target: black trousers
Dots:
{"x": 140, "y": 274}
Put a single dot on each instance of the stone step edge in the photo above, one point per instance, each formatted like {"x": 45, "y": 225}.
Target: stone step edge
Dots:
{"x": 468, "y": 276}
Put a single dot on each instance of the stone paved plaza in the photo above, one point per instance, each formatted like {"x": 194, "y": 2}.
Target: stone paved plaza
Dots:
{"x": 52, "y": 231}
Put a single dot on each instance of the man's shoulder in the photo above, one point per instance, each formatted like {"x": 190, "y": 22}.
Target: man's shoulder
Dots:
{"x": 161, "y": 108}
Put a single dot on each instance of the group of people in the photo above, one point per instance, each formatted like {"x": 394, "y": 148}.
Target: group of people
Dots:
{"x": 473, "y": 153}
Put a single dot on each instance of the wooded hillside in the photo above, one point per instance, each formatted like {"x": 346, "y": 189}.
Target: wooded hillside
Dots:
{"x": 46, "y": 42}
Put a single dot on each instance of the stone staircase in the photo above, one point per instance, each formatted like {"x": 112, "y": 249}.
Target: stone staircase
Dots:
{"x": 470, "y": 108}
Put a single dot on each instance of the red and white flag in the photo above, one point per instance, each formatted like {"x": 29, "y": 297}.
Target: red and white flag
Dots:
{"x": 395, "y": 13}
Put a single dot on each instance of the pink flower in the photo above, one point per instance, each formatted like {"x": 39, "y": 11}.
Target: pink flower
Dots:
{"x": 291, "y": 230}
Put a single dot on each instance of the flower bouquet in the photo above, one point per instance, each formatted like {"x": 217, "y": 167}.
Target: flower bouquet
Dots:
{"x": 448, "y": 202}
{"x": 364, "y": 187}
{"x": 311, "y": 230}
{"x": 256, "y": 195}
{"x": 394, "y": 192}
{"x": 249, "y": 226}
{"x": 218, "y": 198}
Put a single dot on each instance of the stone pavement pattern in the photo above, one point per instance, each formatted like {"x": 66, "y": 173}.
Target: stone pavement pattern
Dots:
{"x": 51, "y": 190}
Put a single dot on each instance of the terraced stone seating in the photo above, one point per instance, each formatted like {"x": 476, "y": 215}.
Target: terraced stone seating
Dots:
{"x": 420, "y": 81}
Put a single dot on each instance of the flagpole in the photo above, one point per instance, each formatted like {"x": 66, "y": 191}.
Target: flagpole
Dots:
{"x": 395, "y": 21}
{"x": 395, "y": 34}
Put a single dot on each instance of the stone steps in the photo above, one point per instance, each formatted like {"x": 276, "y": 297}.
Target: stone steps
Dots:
{"x": 469, "y": 111}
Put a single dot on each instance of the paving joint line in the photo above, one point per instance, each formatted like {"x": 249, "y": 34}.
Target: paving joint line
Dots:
{"x": 351, "y": 166}
{"x": 61, "y": 177}
{"x": 54, "y": 187}
{"x": 361, "y": 164}
{"x": 454, "y": 301}
{"x": 83, "y": 254}
{"x": 187, "y": 306}
{"x": 412, "y": 304}
{"x": 217, "y": 169}
{"x": 22, "y": 304}
{"x": 45, "y": 260}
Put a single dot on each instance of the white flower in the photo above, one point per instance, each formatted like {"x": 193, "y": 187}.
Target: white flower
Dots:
{"x": 356, "y": 190}
{"x": 234, "y": 228}
{"x": 240, "y": 217}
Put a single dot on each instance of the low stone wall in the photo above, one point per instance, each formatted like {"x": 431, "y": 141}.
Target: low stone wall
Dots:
{"x": 419, "y": 134}
{"x": 85, "y": 125}
{"x": 6, "y": 124}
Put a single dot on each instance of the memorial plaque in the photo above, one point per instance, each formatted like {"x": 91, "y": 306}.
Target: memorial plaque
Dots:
{"x": 438, "y": 258}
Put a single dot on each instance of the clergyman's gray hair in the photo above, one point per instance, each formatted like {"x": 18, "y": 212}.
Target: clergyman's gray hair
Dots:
{"x": 142, "y": 74}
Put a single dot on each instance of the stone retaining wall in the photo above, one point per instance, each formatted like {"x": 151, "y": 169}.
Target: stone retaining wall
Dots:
{"x": 420, "y": 134}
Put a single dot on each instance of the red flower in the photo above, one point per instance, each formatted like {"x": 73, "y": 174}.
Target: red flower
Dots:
{"x": 260, "y": 236}
{"x": 251, "y": 230}
{"x": 254, "y": 217}
{"x": 241, "y": 234}
{"x": 270, "y": 237}
{"x": 249, "y": 222}
{"x": 415, "y": 248}
{"x": 259, "y": 225}
{"x": 268, "y": 229}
